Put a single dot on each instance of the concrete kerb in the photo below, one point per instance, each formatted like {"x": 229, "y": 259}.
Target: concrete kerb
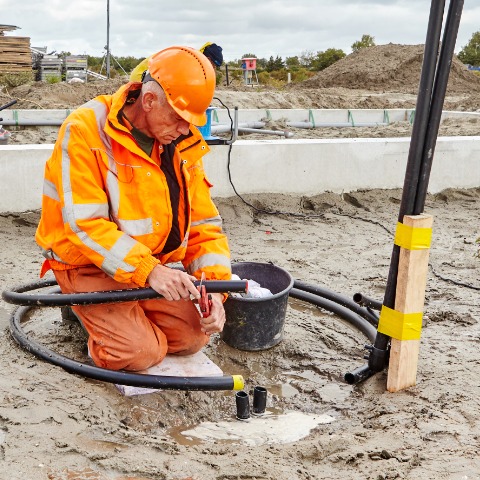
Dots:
{"x": 330, "y": 116}
{"x": 31, "y": 117}
{"x": 295, "y": 167}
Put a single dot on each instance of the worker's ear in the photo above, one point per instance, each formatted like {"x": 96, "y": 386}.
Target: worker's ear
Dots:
{"x": 148, "y": 100}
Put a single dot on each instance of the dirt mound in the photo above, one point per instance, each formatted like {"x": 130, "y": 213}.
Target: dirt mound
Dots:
{"x": 389, "y": 68}
{"x": 39, "y": 95}
{"x": 384, "y": 76}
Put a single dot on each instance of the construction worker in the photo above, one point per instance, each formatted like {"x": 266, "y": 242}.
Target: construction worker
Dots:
{"x": 211, "y": 50}
{"x": 125, "y": 194}
{"x": 214, "y": 53}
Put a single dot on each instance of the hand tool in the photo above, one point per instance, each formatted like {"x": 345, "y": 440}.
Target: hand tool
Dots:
{"x": 205, "y": 300}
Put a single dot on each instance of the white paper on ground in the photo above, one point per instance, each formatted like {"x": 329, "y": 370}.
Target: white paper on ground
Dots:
{"x": 288, "y": 427}
{"x": 196, "y": 365}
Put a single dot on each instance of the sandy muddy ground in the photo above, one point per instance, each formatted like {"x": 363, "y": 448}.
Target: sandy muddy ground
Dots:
{"x": 59, "y": 426}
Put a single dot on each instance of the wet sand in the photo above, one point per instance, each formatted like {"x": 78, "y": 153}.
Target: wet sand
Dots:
{"x": 57, "y": 425}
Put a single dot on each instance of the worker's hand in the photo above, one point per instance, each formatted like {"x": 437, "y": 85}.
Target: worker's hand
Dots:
{"x": 172, "y": 284}
{"x": 215, "y": 322}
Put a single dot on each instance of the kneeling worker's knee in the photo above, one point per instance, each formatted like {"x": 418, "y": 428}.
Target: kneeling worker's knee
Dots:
{"x": 134, "y": 356}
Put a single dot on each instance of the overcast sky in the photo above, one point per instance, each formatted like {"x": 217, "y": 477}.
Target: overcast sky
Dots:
{"x": 262, "y": 27}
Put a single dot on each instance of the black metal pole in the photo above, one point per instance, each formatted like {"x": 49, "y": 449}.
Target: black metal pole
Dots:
{"x": 378, "y": 354}
{"x": 422, "y": 108}
{"x": 430, "y": 101}
{"x": 441, "y": 81}
{"x": 108, "y": 39}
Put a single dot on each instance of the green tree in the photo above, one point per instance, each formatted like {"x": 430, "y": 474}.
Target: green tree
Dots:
{"x": 278, "y": 63}
{"x": 306, "y": 58}
{"x": 94, "y": 63}
{"x": 63, "y": 55}
{"x": 261, "y": 63}
{"x": 292, "y": 63}
{"x": 274, "y": 64}
{"x": 128, "y": 63}
{"x": 327, "y": 58}
{"x": 366, "y": 41}
{"x": 470, "y": 53}
{"x": 269, "y": 67}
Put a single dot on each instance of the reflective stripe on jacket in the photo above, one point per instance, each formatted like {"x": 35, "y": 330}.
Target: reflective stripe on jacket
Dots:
{"x": 105, "y": 202}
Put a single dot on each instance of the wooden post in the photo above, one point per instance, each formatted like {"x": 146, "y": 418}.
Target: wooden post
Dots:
{"x": 409, "y": 298}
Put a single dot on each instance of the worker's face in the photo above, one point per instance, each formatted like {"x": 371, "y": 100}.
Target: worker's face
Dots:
{"x": 162, "y": 122}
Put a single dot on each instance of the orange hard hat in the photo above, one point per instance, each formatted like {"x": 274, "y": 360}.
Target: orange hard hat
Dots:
{"x": 188, "y": 79}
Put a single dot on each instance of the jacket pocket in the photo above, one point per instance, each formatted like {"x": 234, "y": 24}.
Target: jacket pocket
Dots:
{"x": 124, "y": 172}
{"x": 207, "y": 181}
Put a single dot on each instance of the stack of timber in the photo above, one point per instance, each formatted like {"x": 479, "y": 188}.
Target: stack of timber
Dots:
{"x": 15, "y": 54}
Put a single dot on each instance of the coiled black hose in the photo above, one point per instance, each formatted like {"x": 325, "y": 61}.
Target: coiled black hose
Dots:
{"x": 351, "y": 317}
{"x": 227, "y": 382}
{"x": 18, "y": 296}
{"x": 343, "y": 300}
{"x": 359, "y": 317}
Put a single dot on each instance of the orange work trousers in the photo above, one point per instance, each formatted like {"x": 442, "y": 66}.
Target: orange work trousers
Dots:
{"x": 132, "y": 335}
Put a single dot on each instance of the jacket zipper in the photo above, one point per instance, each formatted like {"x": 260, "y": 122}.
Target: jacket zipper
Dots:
{"x": 186, "y": 199}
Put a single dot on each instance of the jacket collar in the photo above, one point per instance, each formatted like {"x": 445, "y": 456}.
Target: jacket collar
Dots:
{"x": 115, "y": 129}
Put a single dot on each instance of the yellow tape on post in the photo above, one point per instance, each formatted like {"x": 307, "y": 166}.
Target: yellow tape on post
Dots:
{"x": 402, "y": 326}
{"x": 413, "y": 238}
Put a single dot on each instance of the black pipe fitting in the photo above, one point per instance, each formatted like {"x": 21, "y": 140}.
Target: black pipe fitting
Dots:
{"x": 378, "y": 358}
{"x": 367, "y": 302}
{"x": 243, "y": 405}
{"x": 259, "y": 400}
{"x": 358, "y": 375}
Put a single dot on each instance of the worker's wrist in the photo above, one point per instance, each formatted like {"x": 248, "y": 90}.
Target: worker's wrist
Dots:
{"x": 222, "y": 296}
{"x": 144, "y": 269}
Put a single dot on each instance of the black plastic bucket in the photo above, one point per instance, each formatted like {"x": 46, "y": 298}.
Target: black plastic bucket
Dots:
{"x": 257, "y": 323}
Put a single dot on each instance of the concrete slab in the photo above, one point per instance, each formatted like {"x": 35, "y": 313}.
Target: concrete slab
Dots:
{"x": 294, "y": 167}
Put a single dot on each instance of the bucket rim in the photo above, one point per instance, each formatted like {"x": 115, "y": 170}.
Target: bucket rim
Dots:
{"x": 275, "y": 295}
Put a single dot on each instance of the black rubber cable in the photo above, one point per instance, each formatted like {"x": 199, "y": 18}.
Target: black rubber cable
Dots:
{"x": 20, "y": 297}
{"x": 351, "y": 317}
{"x": 340, "y": 299}
{"x": 17, "y": 295}
{"x": 114, "y": 376}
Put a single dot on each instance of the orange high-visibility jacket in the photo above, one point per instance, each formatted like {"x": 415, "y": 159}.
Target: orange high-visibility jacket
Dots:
{"x": 105, "y": 202}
